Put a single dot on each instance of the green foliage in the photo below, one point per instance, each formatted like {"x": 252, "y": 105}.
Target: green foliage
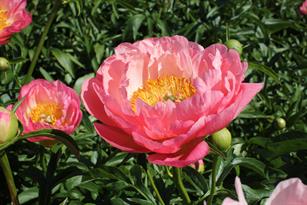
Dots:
{"x": 84, "y": 33}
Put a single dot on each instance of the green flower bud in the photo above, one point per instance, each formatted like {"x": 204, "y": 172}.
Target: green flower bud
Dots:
{"x": 234, "y": 44}
{"x": 281, "y": 122}
{"x": 222, "y": 139}
{"x": 8, "y": 125}
{"x": 4, "y": 64}
{"x": 6, "y": 77}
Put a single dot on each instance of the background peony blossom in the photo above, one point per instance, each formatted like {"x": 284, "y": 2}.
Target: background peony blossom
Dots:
{"x": 288, "y": 192}
{"x": 48, "y": 105}
{"x": 163, "y": 95}
{"x": 291, "y": 191}
{"x": 13, "y": 18}
{"x": 242, "y": 201}
{"x": 303, "y": 8}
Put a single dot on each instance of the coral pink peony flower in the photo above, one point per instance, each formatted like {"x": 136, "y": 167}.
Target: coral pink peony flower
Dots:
{"x": 242, "y": 201}
{"x": 303, "y": 8}
{"x": 13, "y": 18}
{"x": 48, "y": 105}
{"x": 163, "y": 95}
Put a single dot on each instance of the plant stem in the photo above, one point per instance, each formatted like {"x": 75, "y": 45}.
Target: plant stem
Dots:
{"x": 155, "y": 187}
{"x": 42, "y": 39}
{"x": 4, "y": 163}
{"x": 180, "y": 185}
{"x": 213, "y": 180}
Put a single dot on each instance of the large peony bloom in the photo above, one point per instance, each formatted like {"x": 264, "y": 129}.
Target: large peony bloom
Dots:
{"x": 13, "y": 18}
{"x": 48, "y": 105}
{"x": 163, "y": 95}
{"x": 303, "y": 8}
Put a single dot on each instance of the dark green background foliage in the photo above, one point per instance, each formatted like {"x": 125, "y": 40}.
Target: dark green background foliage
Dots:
{"x": 84, "y": 33}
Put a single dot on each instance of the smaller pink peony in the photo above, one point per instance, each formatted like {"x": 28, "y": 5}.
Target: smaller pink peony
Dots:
{"x": 48, "y": 105}
{"x": 303, "y": 8}
{"x": 13, "y": 18}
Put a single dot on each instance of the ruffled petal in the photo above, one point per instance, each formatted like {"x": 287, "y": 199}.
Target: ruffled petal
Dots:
{"x": 189, "y": 154}
{"x": 90, "y": 96}
{"x": 117, "y": 138}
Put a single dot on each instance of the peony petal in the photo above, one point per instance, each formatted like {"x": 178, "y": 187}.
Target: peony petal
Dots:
{"x": 239, "y": 190}
{"x": 90, "y": 96}
{"x": 137, "y": 73}
{"x": 229, "y": 201}
{"x": 189, "y": 154}
{"x": 291, "y": 191}
{"x": 249, "y": 90}
{"x": 213, "y": 123}
{"x": 118, "y": 138}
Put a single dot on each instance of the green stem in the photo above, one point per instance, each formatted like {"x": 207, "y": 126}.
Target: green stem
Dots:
{"x": 180, "y": 186}
{"x": 155, "y": 187}
{"x": 4, "y": 163}
{"x": 213, "y": 180}
{"x": 42, "y": 39}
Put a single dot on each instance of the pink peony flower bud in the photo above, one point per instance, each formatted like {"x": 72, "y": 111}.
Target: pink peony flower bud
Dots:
{"x": 163, "y": 95}
{"x": 13, "y": 18}
{"x": 303, "y": 8}
{"x": 48, "y": 105}
{"x": 8, "y": 125}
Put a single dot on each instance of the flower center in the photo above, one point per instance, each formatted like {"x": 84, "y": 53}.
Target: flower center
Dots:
{"x": 47, "y": 113}
{"x": 3, "y": 19}
{"x": 162, "y": 89}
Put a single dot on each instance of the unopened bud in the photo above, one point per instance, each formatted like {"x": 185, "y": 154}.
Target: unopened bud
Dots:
{"x": 235, "y": 44}
{"x": 222, "y": 139}
{"x": 281, "y": 122}
{"x": 4, "y": 64}
{"x": 8, "y": 125}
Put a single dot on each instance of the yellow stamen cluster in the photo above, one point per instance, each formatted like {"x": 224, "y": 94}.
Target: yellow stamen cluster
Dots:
{"x": 47, "y": 113}
{"x": 3, "y": 19}
{"x": 162, "y": 89}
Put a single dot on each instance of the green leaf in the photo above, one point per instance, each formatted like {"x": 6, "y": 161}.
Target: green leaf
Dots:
{"x": 65, "y": 60}
{"x": 46, "y": 75}
{"x": 57, "y": 135}
{"x": 133, "y": 25}
{"x": 264, "y": 69}
{"x": 28, "y": 194}
{"x": 80, "y": 81}
{"x": 275, "y": 25}
{"x": 250, "y": 163}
